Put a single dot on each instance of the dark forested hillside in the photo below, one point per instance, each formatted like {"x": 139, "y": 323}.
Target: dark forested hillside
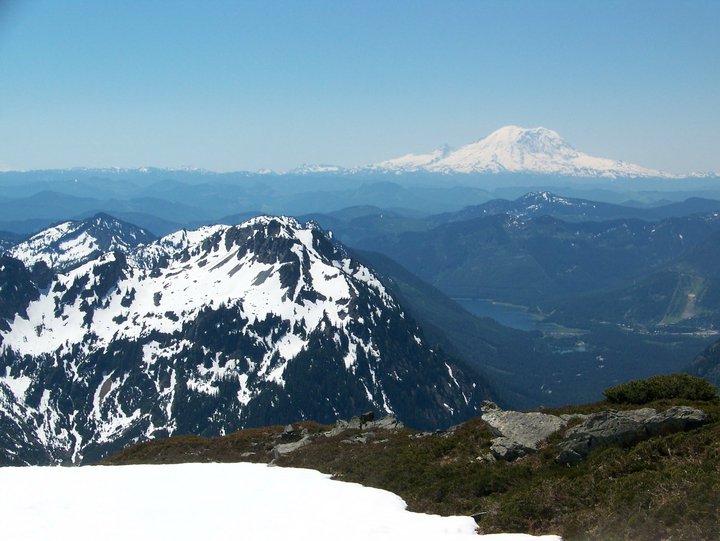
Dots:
{"x": 527, "y": 261}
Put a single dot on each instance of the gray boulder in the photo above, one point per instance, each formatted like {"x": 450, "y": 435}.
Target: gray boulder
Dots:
{"x": 289, "y": 433}
{"x": 518, "y": 433}
{"x": 675, "y": 419}
{"x": 624, "y": 428}
{"x": 508, "y": 449}
{"x": 388, "y": 422}
{"x": 287, "y": 448}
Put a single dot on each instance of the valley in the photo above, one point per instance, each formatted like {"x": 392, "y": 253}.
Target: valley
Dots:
{"x": 437, "y": 270}
{"x": 509, "y": 315}
{"x": 562, "y": 326}
{"x": 425, "y": 297}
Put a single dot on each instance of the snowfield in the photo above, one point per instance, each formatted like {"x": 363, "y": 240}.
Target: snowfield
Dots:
{"x": 210, "y": 501}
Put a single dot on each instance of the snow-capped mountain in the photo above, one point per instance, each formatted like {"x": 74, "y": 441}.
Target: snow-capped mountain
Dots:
{"x": 516, "y": 150}
{"x": 541, "y": 203}
{"x": 69, "y": 244}
{"x": 308, "y": 169}
{"x": 208, "y": 331}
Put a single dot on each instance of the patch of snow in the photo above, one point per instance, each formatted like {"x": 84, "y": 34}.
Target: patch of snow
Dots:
{"x": 227, "y": 500}
{"x": 17, "y": 385}
{"x": 452, "y": 377}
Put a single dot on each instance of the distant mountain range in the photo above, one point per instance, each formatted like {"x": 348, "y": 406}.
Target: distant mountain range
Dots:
{"x": 354, "y": 225}
{"x": 508, "y": 150}
{"x": 93, "y": 300}
{"x": 545, "y": 203}
{"x": 528, "y": 258}
{"x": 506, "y": 165}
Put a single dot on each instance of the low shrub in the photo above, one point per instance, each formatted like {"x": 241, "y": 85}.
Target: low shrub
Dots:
{"x": 668, "y": 387}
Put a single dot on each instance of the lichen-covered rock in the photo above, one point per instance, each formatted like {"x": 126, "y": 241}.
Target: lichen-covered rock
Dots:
{"x": 624, "y": 428}
{"x": 518, "y": 433}
{"x": 388, "y": 422}
{"x": 507, "y": 449}
{"x": 675, "y": 419}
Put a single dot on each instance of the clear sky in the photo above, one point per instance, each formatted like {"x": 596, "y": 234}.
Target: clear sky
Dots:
{"x": 235, "y": 85}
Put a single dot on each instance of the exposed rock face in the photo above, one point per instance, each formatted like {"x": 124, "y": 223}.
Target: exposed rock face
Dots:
{"x": 521, "y": 433}
{"x": 518, "y": 433}
{"x": 18, "y": 287}
{"x": 389, "y": 422}
{"x": 287, "y": 448}
{"x": 507, "y": 449}
{"x": 624, "y": 428}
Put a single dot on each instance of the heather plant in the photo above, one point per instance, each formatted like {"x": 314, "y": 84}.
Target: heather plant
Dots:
{"x": 668, "y": 387}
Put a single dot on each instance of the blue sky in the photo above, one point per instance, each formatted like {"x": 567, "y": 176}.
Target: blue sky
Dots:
{"x": 233, "y": 85}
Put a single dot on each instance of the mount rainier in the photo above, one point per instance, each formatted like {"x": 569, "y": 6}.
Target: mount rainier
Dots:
{"x": 513, "y": 149}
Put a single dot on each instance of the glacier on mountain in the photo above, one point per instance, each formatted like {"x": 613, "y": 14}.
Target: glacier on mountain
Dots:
{"x": 513, "y": 149}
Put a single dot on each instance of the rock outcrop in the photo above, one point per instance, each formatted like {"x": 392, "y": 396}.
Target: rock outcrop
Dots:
{"x": 624, "y": 428}
{"x": 518, "y": 433}
{"x": 293, "y": 439}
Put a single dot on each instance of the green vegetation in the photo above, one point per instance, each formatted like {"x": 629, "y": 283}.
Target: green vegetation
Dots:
{"x": 661, "y": 388}
{"x": 707, "y": 364}
{"x": 249, "y": 445}
{"x": 662, "y": 488}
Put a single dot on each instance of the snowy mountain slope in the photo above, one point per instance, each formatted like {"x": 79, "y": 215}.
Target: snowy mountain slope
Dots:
{"x": 516, "y": 150}
{"x": 18, "y": 287}
{"x": 212, "y": 330}
{"x": 69, "y": 244}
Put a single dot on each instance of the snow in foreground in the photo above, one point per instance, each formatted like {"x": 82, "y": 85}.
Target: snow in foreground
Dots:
{"x": 209, "y": 501}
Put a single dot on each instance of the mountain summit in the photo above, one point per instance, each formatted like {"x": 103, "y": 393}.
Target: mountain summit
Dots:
{"x": 205, "y": 332}
{"x": 513, "y": 149}
{"x": 70, "y": 244}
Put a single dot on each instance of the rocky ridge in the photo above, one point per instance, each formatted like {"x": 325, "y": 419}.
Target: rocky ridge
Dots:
{"x": 69, "y": 244}
{"x": 206, "y": 332}
{"x": 293, "y": 438}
